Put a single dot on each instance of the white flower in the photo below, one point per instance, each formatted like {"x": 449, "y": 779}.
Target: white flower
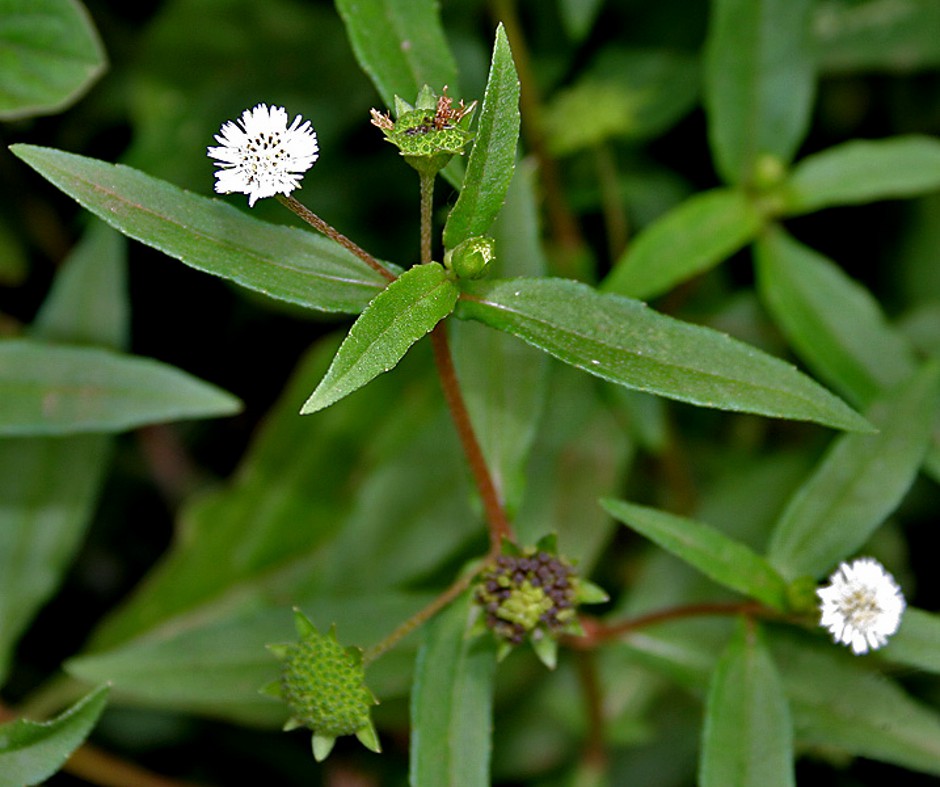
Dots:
{"x": 861, "y": 605}
{"x": 261, "y": 156}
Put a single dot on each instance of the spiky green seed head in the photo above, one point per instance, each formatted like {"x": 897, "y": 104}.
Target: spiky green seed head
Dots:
{"x": 324, "y": 685}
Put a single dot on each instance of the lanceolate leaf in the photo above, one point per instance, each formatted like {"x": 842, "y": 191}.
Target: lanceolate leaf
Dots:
{"x": 206, "y": 234}
{"x": 400, "y": 44}
{"x": 864, "y": 171}
{"x": 452, "y": 704}
{"x": 624, "y": 341}
{"x": 31, "y": 752}
{"x": 695, "y": 236}
{"x": 834, "y": 324}
{"x": 859, "y": 482}
{"x": 759, "y": 82}
{"x": 490, "y": 167}
{"x": 50, "y": 55}
{"x": 748, "y": 736}
{"x": 719, "y": 557}
{"x": 400, "y": 315}
{"x": 50, "y": 389}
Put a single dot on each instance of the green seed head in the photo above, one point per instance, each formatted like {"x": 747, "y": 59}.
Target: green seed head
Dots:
{"x": 324, "y": 685}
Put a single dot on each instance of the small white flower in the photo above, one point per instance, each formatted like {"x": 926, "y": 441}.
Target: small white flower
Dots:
{"x": 861, "y": 605}
{"x": 261, "y": 156}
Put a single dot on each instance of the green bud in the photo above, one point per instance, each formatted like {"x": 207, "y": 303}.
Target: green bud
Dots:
{"x": 769, "y": 172}
{"x": 429, "y": 134}
{"x": 324, "y": 685}
{"x": 470, "y": 259}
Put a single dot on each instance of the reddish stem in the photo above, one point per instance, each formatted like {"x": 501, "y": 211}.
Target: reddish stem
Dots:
{"x": 597, "y": 632}
{"x": 495, "y": 516}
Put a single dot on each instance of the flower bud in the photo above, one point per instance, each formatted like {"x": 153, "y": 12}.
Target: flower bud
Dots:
{"x": 470, "y": 259}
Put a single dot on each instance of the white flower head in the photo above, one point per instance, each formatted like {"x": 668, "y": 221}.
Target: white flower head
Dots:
{"x": 260, "y": 155}
{"x": 861, "y": 605}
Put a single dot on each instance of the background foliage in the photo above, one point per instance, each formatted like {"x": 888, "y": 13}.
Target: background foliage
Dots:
{"x": 161, "y": 553}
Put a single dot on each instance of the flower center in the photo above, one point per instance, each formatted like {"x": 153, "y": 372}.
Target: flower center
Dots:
{"x": 860, "y": 608}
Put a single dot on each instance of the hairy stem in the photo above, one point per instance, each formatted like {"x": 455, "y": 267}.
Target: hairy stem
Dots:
{"x": 321, "y": 226}
{"x": 427, "y": 203}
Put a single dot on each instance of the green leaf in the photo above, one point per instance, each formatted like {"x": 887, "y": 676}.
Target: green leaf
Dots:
{"x": 206, "y": 234}
{"x": 452, "y": 703}
{"x": 398, "y": 316}
{"x": 52, "y": 389}
{"x": 759, "y": 83}
{"x": 690, "y": 239}
{"x": 726, "y": 561}
{"x": 622, "y": 340}
{"x": 49, "y": 485}
{"x": 859, "y": 482}
{"x": 747, "y": 739}
{"x": 863, "y": 171}
{"x": 489, "y": 169}
{"x": 837, "y": 703}
{"x": 400, "y": 44}
{"x": 917, "y": 642}
{"x": 50, "y": 55}
{"x": 31, "y": 752}
{"x": 835, "y": 325}
{"x": 899, "y": 37}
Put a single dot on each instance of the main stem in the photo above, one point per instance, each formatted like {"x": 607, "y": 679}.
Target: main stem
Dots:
{"x": 492, "y": 505}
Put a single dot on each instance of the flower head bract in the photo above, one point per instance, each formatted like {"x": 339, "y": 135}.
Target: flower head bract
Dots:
{"x": 260, "y": 155}
{"x": 862, "y": 605}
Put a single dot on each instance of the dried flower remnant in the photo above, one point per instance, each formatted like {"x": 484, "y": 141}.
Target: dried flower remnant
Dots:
{"x": 429, "y": 134}
{"x": 260, "y": 155}
{"x": 862, "y": 605}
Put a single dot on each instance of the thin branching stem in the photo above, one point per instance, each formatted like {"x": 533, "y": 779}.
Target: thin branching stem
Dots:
{"x": 597, "y": 632}
{"x": 419, "y": 618}
{"x": 331, "y": 232}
